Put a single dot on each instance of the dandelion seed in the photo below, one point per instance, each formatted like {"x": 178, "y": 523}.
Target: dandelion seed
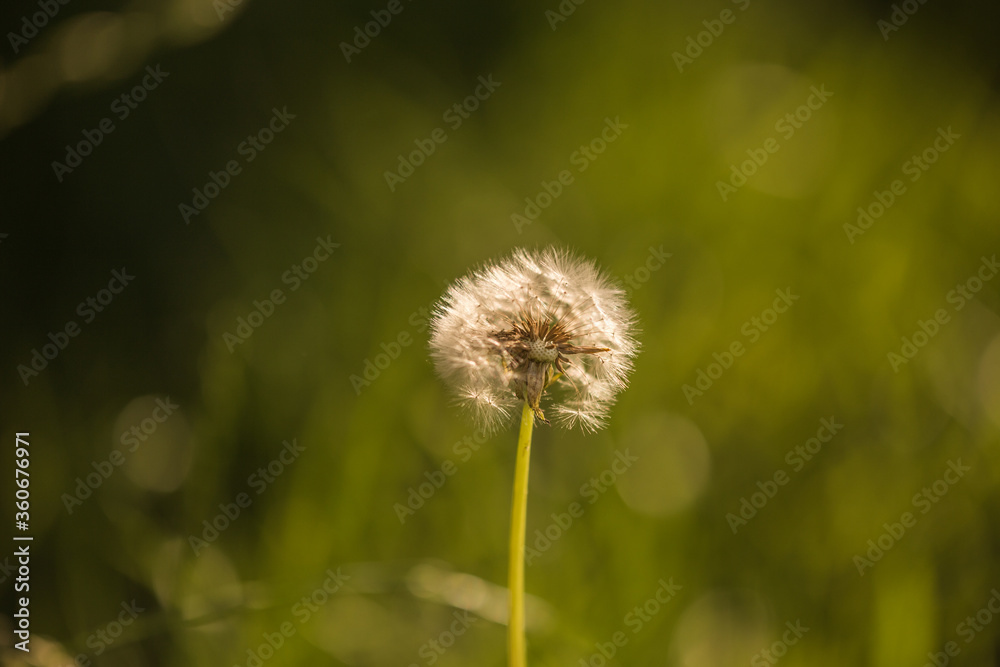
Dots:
{"x": 518, "y": 330}
{"x": 535, "y": 324}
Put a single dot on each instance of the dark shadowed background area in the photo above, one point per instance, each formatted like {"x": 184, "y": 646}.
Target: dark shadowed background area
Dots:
{"x": 224, "y": 224}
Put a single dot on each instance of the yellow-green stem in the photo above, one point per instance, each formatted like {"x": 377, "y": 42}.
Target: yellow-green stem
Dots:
{"x": 518, "y": 519}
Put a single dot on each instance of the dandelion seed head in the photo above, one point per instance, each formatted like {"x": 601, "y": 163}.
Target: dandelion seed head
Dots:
{"x": 535, "y": 324}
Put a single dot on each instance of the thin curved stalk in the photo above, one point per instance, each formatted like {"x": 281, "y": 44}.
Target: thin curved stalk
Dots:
{"x": 516, "y": 650}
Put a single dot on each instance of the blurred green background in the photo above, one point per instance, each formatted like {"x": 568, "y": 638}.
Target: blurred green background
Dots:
{"x": 362, "y": 504}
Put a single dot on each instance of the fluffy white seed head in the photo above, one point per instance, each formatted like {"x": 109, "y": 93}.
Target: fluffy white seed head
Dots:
{"x": 532, "y": 324}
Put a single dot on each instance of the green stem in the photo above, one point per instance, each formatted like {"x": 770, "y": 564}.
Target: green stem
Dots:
{"x": 518, "y": 521}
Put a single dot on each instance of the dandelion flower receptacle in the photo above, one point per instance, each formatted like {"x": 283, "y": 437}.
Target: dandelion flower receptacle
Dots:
{"x": 539, "y": 330}
{"x": 535, "y": 323}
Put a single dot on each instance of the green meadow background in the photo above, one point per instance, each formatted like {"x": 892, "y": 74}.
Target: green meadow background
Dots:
{"x": 815, "y": 486}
